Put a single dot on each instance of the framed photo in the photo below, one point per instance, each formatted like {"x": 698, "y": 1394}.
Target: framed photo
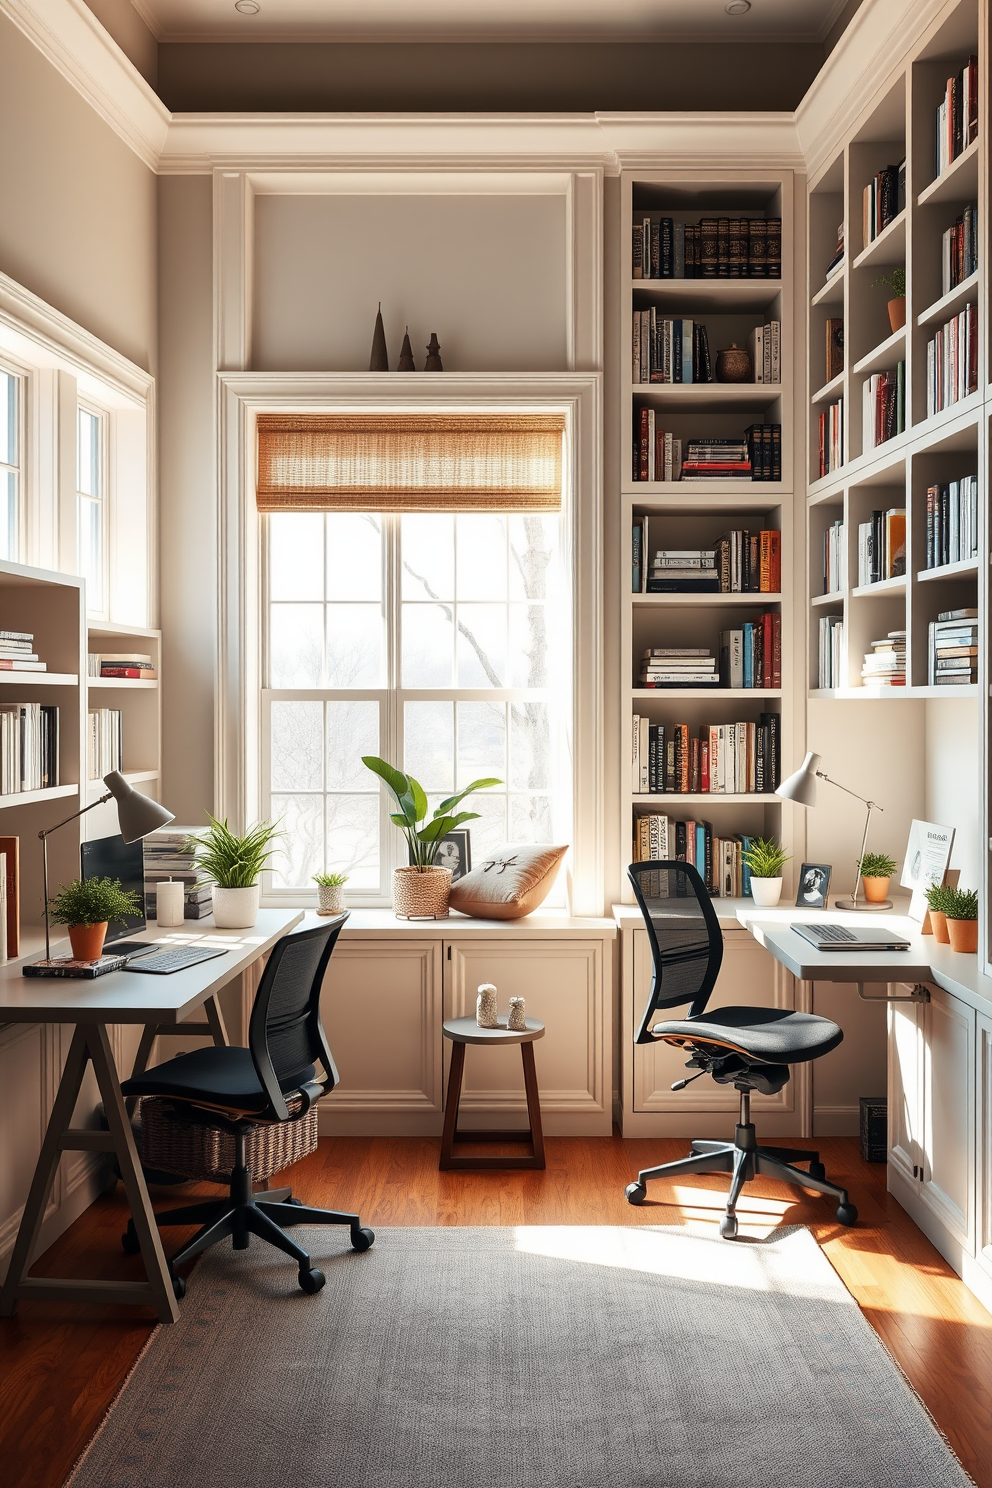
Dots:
{"x": 814, "y": 880}
{"x": 455, "y": 852}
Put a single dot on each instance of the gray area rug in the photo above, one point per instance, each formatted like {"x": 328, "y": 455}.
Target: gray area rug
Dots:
{"x": 558, "y": 1357}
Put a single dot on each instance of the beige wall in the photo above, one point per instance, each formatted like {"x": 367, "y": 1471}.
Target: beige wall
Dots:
{"x": 77, "y": 224}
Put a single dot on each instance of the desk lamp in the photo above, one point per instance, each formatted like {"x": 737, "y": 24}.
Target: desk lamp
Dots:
{"x": 801, "y": 787}
{"x": 137, "y": 815}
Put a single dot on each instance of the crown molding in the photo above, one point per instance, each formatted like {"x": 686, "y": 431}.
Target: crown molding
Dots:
{"x": 702, "y": 140}
{"x": 65, "y": 342}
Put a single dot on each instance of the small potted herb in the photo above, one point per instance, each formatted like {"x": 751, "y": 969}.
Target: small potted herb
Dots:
{"x": 330, "y": 892}
{"x": 961, "y": 912}
{"x": 765, "y": 860}
{"x": 896, "y": 281}
{"x": 876, "y": 869}
{"x": 936, "y": 896}
{"x": 86, "y": 908}
{"x": 234, "y": 865}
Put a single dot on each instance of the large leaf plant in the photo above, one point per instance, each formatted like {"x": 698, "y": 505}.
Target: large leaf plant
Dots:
{"x": 424, "y": 837}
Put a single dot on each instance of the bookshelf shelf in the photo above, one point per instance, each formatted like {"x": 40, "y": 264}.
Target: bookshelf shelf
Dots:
{"x": 643, "y": 694}
{"x": 892, "y": 349}
{"x": 122, "y": 628}
{"x": 121, "y": 684}
{"x": 888, "y": 248}
{"x": 709, "y": 396}
{"x": 836, "y": 596}
{"x": 704, "y": 798}
{"x": 704, "y": 601}
{"x": 39, "y": 679}
{"x": 31, "y": 798}
{"x": 879, "y": 590}
{"x": 958, "y": 182}
{"x": 950, "y": 303}
{"x": 962, "y": 570}
{"x": 831, "y": 293}
{"x": 709, "y": 495}
{"x": 718, "y": 295}
{"x": 829, "y": 392}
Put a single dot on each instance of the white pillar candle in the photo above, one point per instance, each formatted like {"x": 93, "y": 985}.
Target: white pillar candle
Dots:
{"x": 169, "y": 903}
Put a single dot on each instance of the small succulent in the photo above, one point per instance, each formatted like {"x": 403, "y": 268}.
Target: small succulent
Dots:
{"x": 877, "y": 865}
{"x": 896, "y": 281}
{"x": 936, "y": 896}
{"x": 765, "y": 858}
{"x": 330, "y": 880}
{"x": 960, "y": 904}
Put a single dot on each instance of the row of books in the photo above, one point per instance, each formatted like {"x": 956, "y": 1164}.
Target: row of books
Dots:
{"x": 952, "y": 522}
{"x": 834, "y": 561}
{"x": 751, "y": 654}
{"x": 665, "y": 350}
{"x": 835, "y": 347}
{"x": 831, "y": 431}
{"x": 134, "y": 665}
{"x": 952, "y": 361}
{"x": 104, "y": 742}
{"x": 956, "y": 116}
{"x": 953, "y": 648}
{"x": 718, "y": 860}
{"x": 657, "y": 452}
{"x": 29, "y": 747}
{"x": 830, "y": 660}
{"x": 17, "y": 653}
{"x": 718, "y": 759}
{"x": 885, "y": 664}
{"x": 882, "y": 546}
{"x": 713, "y": 248}
{"x": 882, "y": 200}
{"x": 678, "y": 666}
{"x": 883, "y": 406}
{"x": 959, "y": 251}
{"x": 764, "y": 346}
{"x": 740, "y": 562}
{"x": 168, "y": 856}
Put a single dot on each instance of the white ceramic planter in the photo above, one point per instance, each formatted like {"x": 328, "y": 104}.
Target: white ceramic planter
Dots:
{"x": 766, "y": 891}
{"x": 330, "y": 899}
{"x": 235, "y": 909}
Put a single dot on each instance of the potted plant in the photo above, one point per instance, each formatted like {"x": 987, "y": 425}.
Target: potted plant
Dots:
{"x": 896, "y": 281}
{"x": 234, "y": 866}
{"x": 876, "y": 869}
{"x": 765, "y": 860}
{"x": 961, "y": 912}
{"x": 330, "y": 892}
{"x": 936, "y": 895}
{"x": 86, "y": 908}
{"x": 421, "y": 890}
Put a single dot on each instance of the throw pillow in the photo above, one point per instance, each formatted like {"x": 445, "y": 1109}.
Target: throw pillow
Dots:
{"x": 509, "y": 883}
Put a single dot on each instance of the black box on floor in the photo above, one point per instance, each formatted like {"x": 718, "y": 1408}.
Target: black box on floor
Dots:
{"x": 874, "y": 1128}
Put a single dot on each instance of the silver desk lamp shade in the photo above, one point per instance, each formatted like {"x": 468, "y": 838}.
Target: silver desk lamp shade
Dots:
{"x": 137, "y": 814}
{"x": 801, "y": 785}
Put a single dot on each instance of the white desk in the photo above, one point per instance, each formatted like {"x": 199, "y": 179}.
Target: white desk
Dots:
{"x": 160, "y": 1003}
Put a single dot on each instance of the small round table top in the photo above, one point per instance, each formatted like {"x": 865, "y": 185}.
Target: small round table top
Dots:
{"x": 467, "y": 1031}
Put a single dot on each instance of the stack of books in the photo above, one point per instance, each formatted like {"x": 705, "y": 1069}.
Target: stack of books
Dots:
{"x": 668, "y": 350}
{"x": 765, "y": 347}
{"x": 956, "y": 117}
{"x": 750, "y": 562}
{"x": 883, "y": 406}
{"x": 764, "y": 443}
{"x": 131, "y": 664}
{"x": 169, "y": 856}
{"x": 678, "y": 666}
{"x": 953, "y": 649}
{"x": 17, "y": 653}
{"x": 718, "y": 759}
{"x": 882, "y": 200}
{"x": 683, "y": 571}
{"x": 837, "y": 262}
{"x": 952, "y": 522}
{"x": 833, "y": 557}
{"x": 713, "y": 248}
{"x": 832, "y": 437}
{"x": 882, "y": 546}
{"x": 830, "y": 669}
{"x": 952, "y": 361}
{"x": 959, "y": 251}
{"x": 751, "y": 654}
{"x": 657, "y": 453}
{"x": 717, "y": 459}
{"x": 29, "y": 747}
{"x": 885, "y": 663}
{"x": 718, "y": 860}
{"x": 104, "y": 742}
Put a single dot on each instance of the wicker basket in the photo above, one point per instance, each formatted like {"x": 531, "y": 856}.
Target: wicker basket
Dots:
{"x": 178, "y": 1139}
{"x": 421, "y": 893}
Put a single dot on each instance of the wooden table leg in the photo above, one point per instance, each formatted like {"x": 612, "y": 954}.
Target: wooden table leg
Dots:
{"x": 215, "y": 1019}
{"x": 533, "y": 1103}
{"x": 451, "y": 1104}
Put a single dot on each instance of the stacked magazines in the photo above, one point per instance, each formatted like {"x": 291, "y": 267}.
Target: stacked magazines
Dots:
{"x": 953, "y": 648}
{"x": 169, "y": 856}
{"x": 29, "y": 747}
{"x": 17, "y": 653}
{"x": 679, "y": 666}
{"x": 684, "y": 571}
{"x": 719, "y": 759}
{"x": 717, "y": 459}
{"x": 885, "y": 663}
{"x": 718, "y": 860}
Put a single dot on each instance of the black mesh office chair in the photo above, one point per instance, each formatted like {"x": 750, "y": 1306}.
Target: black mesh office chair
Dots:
{"x": 239, "y": 1091}
{"x": 750, "y": 1048}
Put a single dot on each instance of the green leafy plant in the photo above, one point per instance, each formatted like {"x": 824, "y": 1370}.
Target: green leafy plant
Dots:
{"x": 330, "y": 880}
{"x": 765, "y": 858}
{"x": 230, "y": 861}
{"x": 423, "y": 836}
{"x": 896, "y": 281}
{"x": 91, "y": 901}
{"x": 960, "y": 904}
{"x": 877, "y": 865}
{"x": 936, "y": 894}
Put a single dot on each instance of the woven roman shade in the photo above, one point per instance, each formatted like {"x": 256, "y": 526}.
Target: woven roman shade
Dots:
{"x": 409, "y": 462}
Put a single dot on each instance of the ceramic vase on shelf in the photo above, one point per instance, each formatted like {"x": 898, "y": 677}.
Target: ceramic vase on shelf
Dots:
{"x": 733, "y": 364}
{"x": 876, "y": 889}
{"x": 897, "y": 313}
{"x": 421, "y": 893}
{"x": 766, "y": 892}
{"x": 962, "y": 935}
{"x": 87, "y": 940}
{"x": 235, "y": 909}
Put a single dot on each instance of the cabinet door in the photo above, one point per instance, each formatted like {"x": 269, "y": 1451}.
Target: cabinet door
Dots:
{"x": 381, "y": 1009}
{"x": 949, "y": 1113}
{"x": 983, "y": 1132}
{"x": 905, "y": 1091}
{"x": 563, "y": 983}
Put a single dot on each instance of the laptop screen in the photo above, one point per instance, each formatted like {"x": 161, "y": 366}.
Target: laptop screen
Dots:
{"x": 112, "y": 857}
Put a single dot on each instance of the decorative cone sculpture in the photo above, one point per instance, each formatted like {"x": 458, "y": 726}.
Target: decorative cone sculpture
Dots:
{"x": 379, "y": 360}
{"x": 406, "y": 362}
{"x": 433, "y": 362}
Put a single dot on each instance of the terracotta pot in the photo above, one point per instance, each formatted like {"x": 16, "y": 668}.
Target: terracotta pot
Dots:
{"x": 87, "y": 940}
{"x": 235, "y": 909}
{"x": 897, "y": 313}
{"x": 330, "y": 899}
{"x": 421, "y": 893}
{"x": 766, "y": 892}
{"x": 939, "y": 922}
{"x": 963, "y": 935}
{"x": 876, "y": 889}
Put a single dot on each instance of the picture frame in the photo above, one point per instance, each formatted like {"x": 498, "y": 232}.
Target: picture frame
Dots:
{"x": 455, "y": 852}
{"x": 814, "y": 881}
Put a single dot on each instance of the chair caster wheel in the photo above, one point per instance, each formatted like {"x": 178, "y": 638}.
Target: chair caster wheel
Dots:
{"x": 362, "y": 1239}
{"x": 298, "y": 1203}
{"x": 636, "y": 1193}
{"x": 847, "y": 1214}
{"x": 311, "y": 1281}
{"x": 130, "y": 1244}
{"x": 728, "y": 1227}
{"x": 817, "y": 1170}
{"x": 178, "y": 1288}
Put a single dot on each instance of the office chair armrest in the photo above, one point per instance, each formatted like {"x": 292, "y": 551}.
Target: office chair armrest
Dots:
{"x": 310, "y": 1094}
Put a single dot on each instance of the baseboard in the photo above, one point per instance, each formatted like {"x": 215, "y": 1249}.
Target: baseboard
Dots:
{"x": 714, "y": 1124}
{"x": 429, "y": 1123}
{"x": 971, "y": 1272}
{"x": 73, "y": 1205}
{"x": 836, "y": 1121}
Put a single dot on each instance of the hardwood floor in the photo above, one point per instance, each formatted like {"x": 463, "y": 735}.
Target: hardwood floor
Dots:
{"x": 61, "y": 1365}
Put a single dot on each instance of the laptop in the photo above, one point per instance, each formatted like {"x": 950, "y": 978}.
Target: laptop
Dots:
{"x": 829, "y": 936}
{"x": 112, "y": 857}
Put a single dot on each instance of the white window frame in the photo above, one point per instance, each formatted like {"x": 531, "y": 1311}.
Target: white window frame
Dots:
{"x": 105, "y": 436}
{"x": 241, "y": 714}
{"x": 22, "y": 468}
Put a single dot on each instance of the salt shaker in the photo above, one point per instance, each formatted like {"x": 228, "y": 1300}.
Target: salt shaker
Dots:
{"x": 516, "y": 1020}
{"x": 485, "y": 1006}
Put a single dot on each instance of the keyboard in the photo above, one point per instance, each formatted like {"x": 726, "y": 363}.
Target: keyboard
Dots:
{"x": 835, "y": 933}
{"x": 175, "y": 958}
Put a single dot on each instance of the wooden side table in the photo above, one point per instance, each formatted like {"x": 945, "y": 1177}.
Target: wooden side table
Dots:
{"x": 464, "y": 1031}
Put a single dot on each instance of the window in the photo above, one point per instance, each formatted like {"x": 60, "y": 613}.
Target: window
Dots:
{"x": 439, "y": 641}
{"x": 91, "y": 506}
{"x": 11, "y": 474}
